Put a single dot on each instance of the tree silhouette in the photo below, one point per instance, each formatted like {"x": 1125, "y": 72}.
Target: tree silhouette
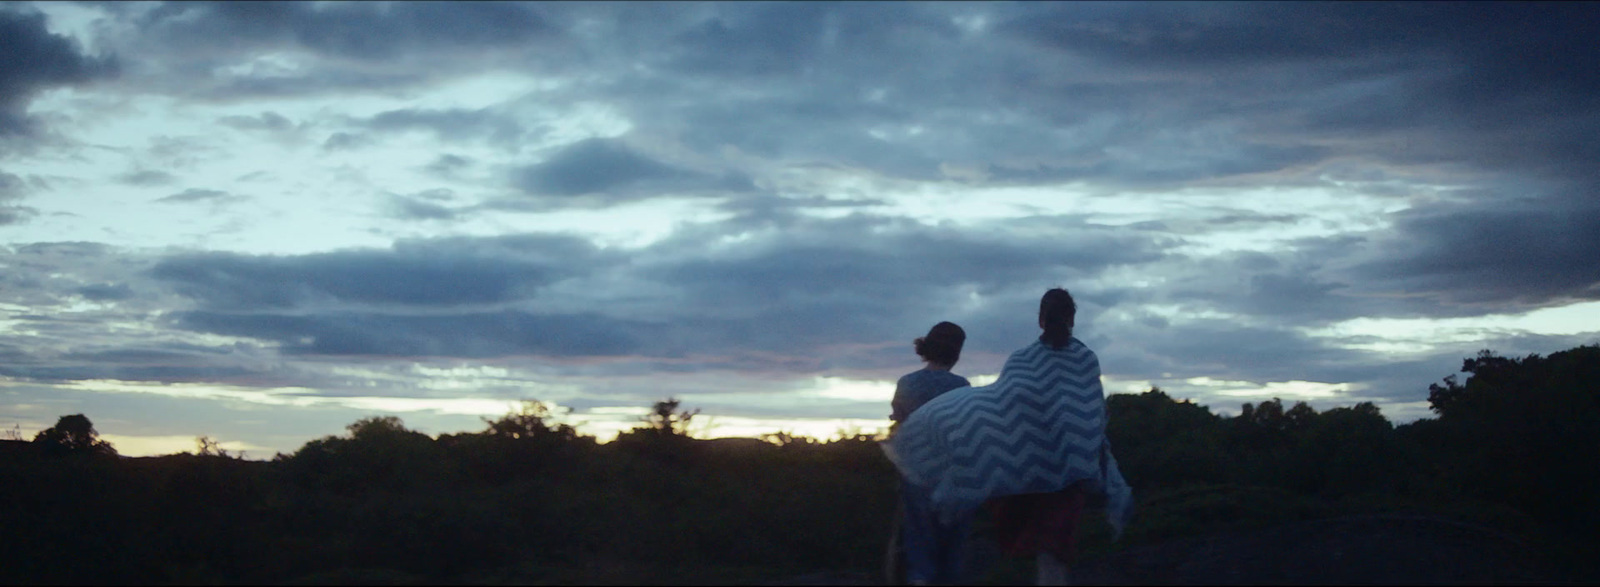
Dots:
{"x": 1523, "y": 431}
{"x": 1164, "y": 442}
{"x": 664, "y": 434}
{"x": 533, "y": 420}
{"x": 379, "y": 452}
{"x": 521, "y": 444}
{"x": 73, "y": 434}
{"x": 1445, "y": 398}
{"x": 1299, "y": 417}
{"x": 666, "y": 418}
{"x": 1346, "y": 451}
{"x": 207, "y": 446}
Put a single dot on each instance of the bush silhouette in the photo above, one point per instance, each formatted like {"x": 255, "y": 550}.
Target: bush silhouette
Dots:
{"x": 72, "y": 435}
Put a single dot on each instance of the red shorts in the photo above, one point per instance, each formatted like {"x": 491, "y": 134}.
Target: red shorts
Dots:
{"x": 1028, "y": 524}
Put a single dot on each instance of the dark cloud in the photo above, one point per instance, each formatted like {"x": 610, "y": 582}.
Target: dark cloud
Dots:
{"x": 448, "y": 164}
{"x": 114, "y": 339}
{"x": 31, "y": 59}
{"x": 200, "y": 195}
{"x": 1294, "y": 296}
{"x": 1246, "y": 218}
{"x": 594, "y": 165}
{"x": 173, "y": 362}
{"x": 804, "y": 286}
{"x": 436, "y": 195}
{"x": 608, "y": 167}
{"x": 765, "y": 209}
{"x": 1119, "y": 94}
{"x": 1285, "y": 288}
{"x": 357, "y": 45}
{"x": 66, "y": 249}
{"x": 40, "y": 276}
{"x": 1488, "y": 255}
{"x": 354, "y": 31}
{"x": 808, "y": 126}
{"x": 12, "y": 187}
{"x": 1422, "y": 78}
{"x": 800, "y": 288}
{"x": 1506, "y": 48}
{"x": 1500, "y": 255}
{"x": 106, "y": 292}
{"x": 444, "y": 272}
{"x": 147, "y": 177}
{"x": 474, "y": 335}
{"x": 1227, "y": 36}
{"x": 1228, "y": 350}
{"x": 772, "y": 39}
{"x": 343, "y": 141}
{"x": 815, "y": 258}
{"x": 452, "y": 124}
{"x": 1113, "y": 93}
{"x": 285, "y": 85}
{"x": 422, "y": 206}
{"x": 826, "y": 84}
{"x": 186, "y": 372}
{"x": 16, "y": 214}
{"x": 1196, "y": 162}
{"x": 1320, "y": 281}
{"x": 269, "y": 121}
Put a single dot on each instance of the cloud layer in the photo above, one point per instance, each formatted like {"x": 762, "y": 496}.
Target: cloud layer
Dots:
{"x": 606, "y": 203}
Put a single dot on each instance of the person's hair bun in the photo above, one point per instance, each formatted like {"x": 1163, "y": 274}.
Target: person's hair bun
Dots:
{"x": 942, "y": 344}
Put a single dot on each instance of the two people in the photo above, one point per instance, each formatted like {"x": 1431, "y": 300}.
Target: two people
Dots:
{"x": 1031, "y": 445}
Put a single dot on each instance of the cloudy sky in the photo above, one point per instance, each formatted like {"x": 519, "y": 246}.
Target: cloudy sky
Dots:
{"x": 261, "y": 222}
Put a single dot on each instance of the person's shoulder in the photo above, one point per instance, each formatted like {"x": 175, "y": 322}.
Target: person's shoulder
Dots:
{"x": 913, "y": 376}
{"x": 1032, "y": 348}
{"x": 1038, "y": 350}
{"x": 1077, "y": 345}
{"x": 951, "y": 376}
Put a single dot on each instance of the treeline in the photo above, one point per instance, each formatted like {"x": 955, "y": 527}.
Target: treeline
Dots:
{"x": 530, "y": 500}
{"x": 526, "y": 500}
{"x": 1516, "y": 448}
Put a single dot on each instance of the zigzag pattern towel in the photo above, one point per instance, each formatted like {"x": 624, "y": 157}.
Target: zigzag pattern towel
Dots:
{"x": 1038, "y": 428}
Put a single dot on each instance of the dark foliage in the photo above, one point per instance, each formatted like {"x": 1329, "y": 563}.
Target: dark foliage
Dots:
{"x": 530, "y": 500}
{"x": 72, "y": 436}
{"x": 1524, "y": 433}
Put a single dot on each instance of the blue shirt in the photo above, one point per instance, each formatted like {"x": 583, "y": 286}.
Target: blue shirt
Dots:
{"x": 919, "y": 387}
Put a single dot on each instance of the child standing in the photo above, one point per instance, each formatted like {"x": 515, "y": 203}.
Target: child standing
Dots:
{"x": 932, "y": 550}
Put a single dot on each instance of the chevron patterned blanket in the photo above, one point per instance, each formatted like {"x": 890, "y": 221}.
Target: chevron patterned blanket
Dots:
{"x": 1038, "y": 428}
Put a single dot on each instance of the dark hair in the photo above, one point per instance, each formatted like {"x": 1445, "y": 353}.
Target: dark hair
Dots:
{"x": 1057, "y": 314}
{"x": 942, "y": 345}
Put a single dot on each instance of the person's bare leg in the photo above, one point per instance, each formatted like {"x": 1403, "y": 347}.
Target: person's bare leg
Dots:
{"x": 1052, "y": 571}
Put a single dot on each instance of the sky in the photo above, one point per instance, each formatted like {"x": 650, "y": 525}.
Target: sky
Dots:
{"x": 262, "y": 222}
